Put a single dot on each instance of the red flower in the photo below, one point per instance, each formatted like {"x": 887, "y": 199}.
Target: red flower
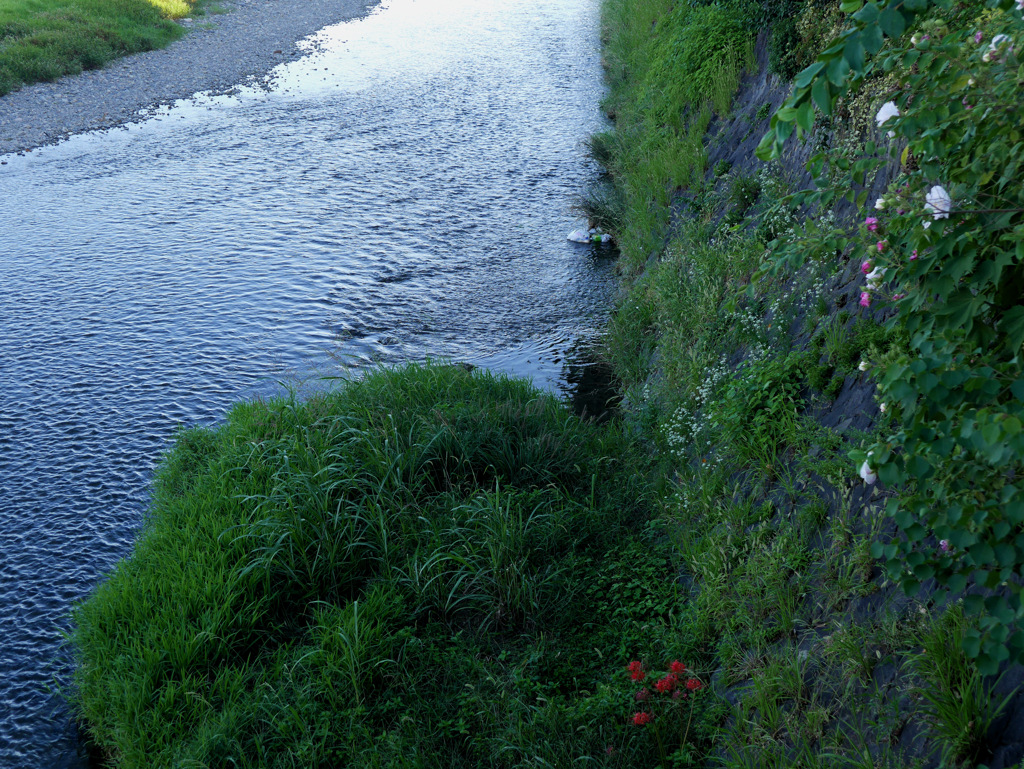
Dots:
{"x": 677, "y": 667}
{"x": 667, "y": 684}
{"x": 636, "y": 670}
{"x": 641, "y": 719}
{"x": 693, "y": 684}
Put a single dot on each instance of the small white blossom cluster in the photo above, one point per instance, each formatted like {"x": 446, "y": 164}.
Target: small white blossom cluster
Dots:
{"x": 687, "y": 427}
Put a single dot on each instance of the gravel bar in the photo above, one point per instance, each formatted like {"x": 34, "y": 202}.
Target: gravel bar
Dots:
{"x": 220, "y": 51}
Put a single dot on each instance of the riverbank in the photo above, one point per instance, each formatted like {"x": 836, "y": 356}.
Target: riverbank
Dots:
{"x": 769, "y": 342}
{"x": 219, "y": 51}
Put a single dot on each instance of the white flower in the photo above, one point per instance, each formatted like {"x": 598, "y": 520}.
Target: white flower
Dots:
{"x": 863, "y": 365}
{"x": 888, "y": 111}
{"x": 971, "y": 80}
{"x": 875, "y": 278}
{"x": 867, "y": 474}
{"x": 883, "y": 407}
{"x": 1020, "y": 5}
{"x": 997, "y": 41}
{"x": 987, "y": 56}
{"x": 938, "y": 202}
{"x": 914, "y": 40}
{"x": 880, "y": 203}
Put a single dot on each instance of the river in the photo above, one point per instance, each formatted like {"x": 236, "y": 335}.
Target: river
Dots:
{"x": 400, "y": 192}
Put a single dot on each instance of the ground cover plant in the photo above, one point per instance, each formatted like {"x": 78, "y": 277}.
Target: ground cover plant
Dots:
{"x": 428, "y": 567}
{"x": 47, "y": 39}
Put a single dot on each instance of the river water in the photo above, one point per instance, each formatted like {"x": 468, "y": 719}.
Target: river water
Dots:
{"x": 400, "y": 192}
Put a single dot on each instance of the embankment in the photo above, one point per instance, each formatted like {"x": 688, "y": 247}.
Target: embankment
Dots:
{"x": 751, "y": 345}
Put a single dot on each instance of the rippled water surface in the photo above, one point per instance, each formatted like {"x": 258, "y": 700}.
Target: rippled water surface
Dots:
{"x": 401, "y": 192}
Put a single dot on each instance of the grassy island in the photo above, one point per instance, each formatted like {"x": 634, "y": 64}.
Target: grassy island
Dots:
{"x": 429, "y": 567}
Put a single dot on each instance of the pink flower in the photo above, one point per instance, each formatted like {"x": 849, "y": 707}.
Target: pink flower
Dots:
{"x": 881, "y": 245}
{"x": 913, "y": 256}
{"x": 944, "y": 544}
{"x": 897, "y": 297}
{"x": 643, "y": 695}
{"x": 865, "y": 299}
{"x": 978, "y": 37}
{"x": 872, "y": 223}
{"x": 865, "y": 267}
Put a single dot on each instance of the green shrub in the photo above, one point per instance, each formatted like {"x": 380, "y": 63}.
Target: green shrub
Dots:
{"x": 744, "y": 191}
{"x": 784, "y": 55}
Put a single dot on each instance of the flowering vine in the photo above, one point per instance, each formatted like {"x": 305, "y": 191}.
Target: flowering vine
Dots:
{"x": 948, "y": 241}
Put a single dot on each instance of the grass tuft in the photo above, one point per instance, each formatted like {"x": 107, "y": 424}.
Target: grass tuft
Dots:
{"x": 42, "y": 40}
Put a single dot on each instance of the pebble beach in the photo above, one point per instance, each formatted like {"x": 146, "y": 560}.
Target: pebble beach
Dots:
{"x": 222, "y": 50}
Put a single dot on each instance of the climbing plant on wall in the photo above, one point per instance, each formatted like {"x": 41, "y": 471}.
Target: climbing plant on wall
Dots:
{"x": 943, "y": 247}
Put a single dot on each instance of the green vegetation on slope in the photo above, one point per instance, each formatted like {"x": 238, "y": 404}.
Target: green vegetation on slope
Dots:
{"x": 47, "y": 39}
{"x": 749, "y": 355}
{"x": 944, "y": 251}
{"x": 427, "y": 567}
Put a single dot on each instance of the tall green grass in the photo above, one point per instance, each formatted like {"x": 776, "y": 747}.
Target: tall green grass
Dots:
{"x": 43, "y": 40}
{"x": 670, "y": 69}
{"x": 427, "y": 567}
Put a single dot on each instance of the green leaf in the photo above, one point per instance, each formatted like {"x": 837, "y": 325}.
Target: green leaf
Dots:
{"x": 808, "y": 73}
{"x": 891, "y": 21}
{"x": 838, "y": 70}
{"x": 786, "y": 114}
{"x": 1012, "y": 326}
{"x": 873, "y": 39}
{"x": 868, "y": 13}
{"x": 821, "y": 93}
{"x": 853, "y": 53}
{"x": 766, "y": 147}
{"x": 972, "y": 645}
{"x": 805, "y": 116}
